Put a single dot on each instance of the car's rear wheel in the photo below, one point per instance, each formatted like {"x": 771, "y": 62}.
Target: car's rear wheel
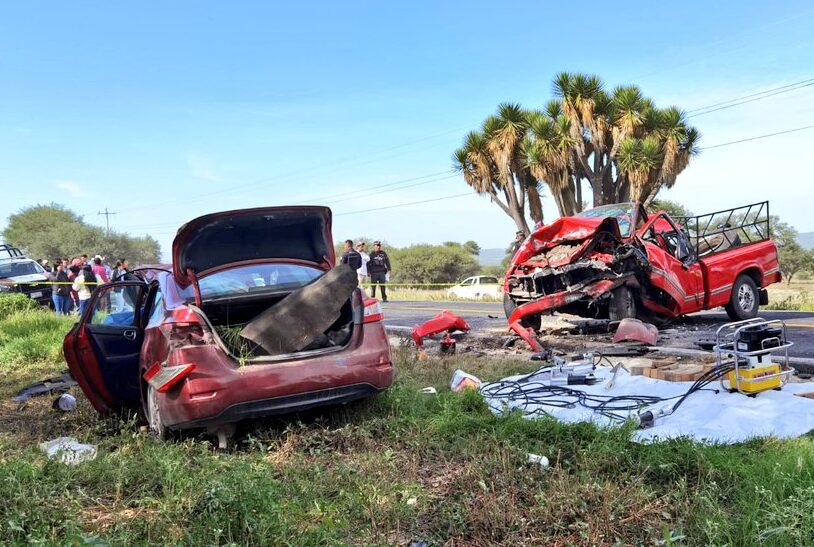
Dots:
{"x": 744, "y": 301}
{"x": 154, "y": 420}
{"x": 533, "y": 321}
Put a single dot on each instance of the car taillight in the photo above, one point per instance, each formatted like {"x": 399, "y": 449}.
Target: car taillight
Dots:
{"x": 184, "y": 325}
{"x": 163, "y": 377}
{"x": 373, "y": 311}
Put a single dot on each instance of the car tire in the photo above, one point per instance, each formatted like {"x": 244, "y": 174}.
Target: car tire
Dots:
{"x": 533, "y": 321}
{"x": 744, "y": 300}
{"x": 154, "y": 420}
{"x": 622, "y": 304}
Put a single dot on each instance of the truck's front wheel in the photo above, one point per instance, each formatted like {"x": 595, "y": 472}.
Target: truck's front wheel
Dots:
{"x": 743, "y": 303}
{"x": 533, "y": 321}
{"x": 622, "y": 304}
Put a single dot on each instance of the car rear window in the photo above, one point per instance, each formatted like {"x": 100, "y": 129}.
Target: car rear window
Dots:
{"x": 257, "y": 278}
{"x": 13, "y": 269}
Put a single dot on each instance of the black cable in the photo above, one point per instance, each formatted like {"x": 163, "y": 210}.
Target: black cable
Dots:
{"x": 525, "y": 394}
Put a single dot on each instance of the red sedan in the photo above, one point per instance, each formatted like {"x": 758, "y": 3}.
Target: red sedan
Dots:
{"x": 170, "y": 341}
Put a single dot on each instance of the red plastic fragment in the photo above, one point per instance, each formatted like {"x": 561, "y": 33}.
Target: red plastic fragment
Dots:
{"x": 444, "y": 321}
{"x": 633, "y": 329}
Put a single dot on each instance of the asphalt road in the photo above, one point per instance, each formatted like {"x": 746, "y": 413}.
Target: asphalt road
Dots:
{"x": 488, "y": 316}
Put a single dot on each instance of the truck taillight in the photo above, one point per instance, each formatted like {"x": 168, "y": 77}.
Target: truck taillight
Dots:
{"x": 163, "y": 377}
{"x": 373, "y": 311}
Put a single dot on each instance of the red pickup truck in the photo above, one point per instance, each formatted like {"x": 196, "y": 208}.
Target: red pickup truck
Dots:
{"x": 617, "y": 261}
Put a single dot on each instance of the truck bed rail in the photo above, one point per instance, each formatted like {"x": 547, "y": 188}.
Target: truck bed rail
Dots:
{"x": 716, "y": 232}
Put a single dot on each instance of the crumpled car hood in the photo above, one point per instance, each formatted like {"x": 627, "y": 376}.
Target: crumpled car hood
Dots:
{"x": 570, "y": 230}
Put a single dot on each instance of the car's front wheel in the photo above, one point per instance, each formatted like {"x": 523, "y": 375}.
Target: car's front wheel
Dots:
{"x": 154, "y": 420}
{"x": 744, "y": 301}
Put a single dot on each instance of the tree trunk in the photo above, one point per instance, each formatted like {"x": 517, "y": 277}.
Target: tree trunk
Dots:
{"x": 577, "y": 182}
{"x": 535, "y": 203}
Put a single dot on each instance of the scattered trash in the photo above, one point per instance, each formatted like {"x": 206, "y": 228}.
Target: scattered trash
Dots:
{"x": 417, "y": 543}
{"x": 490, "y": 316}
{"x": 45, "y": 387}
{"x": 68, "y": 450}
{"x": 633, "y": 329}
{"x": 542, "y": 461}
{"x": 622, "y": 351}
{"x": 461, "y": 381}
{"x": 412, "y": 501}
{"x": 428, "y": 390}
{"x": 448, "y": 344}
{"x": 65, "y": 402}
{"x": 706, "y": 343}
{"x": 444, "y": 321}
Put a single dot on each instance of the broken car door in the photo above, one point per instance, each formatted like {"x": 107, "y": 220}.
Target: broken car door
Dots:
{"x": 675, "y": 268}
{"x": 102, "y": 350}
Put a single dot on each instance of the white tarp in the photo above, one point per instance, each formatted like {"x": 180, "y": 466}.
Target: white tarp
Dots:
{"x": 721, "y": 417}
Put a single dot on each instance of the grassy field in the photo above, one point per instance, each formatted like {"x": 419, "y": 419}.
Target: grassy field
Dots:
{"x": 401, "y": 466}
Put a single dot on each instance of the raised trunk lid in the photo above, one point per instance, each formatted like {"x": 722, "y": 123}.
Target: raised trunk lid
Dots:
{"x": 212, "y": 242}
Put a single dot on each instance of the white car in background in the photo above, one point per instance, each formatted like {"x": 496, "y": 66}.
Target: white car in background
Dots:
{"x": 477, "y": 287}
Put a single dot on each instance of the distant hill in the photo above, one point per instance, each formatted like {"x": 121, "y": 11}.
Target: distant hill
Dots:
{"x": 492, "y": 257}
{"x": 806, "y": 240}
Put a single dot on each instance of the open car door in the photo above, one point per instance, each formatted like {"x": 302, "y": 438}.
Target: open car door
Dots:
{"x": 674, "y": 266}
{"x": 102, "y": 349}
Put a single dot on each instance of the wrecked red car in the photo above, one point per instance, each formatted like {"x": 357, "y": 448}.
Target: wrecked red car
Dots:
{"x": 617, "y": 261}
{"x": 251, "y": 319}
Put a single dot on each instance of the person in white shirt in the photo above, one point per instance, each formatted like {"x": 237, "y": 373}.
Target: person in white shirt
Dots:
{"x": 361, "y": 273}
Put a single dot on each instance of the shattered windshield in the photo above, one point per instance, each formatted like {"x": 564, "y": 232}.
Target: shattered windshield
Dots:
{"x": 622, "y": 212}
{"x": 257, "y": 278}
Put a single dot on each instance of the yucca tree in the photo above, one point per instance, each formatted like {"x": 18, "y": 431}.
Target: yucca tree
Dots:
{"x": 625, "y": 147}
{"x": 492, "y": 163}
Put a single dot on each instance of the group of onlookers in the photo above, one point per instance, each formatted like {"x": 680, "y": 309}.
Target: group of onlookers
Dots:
{"x": 77, "y": 278}
{"x": 373, "y": 267}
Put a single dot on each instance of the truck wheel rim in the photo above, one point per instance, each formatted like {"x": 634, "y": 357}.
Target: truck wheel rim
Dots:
{"x": 745, "y": 298}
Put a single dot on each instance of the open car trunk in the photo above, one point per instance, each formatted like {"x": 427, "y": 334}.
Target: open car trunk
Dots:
{"x": 319, "y": 315}
{"x": 228, "y": 317}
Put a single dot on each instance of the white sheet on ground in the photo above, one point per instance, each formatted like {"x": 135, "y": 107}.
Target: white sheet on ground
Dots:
{"x": 705, "y": 416}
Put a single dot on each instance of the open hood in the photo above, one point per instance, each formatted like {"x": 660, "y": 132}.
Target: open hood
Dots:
{"x": 213, "y": 241}
{"x": 564, "y": 230}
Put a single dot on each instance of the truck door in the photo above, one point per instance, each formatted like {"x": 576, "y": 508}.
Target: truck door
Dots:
{"x": 675, "y": 268}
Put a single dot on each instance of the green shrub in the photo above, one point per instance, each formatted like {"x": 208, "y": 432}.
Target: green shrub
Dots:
{"x": 15, "y": 302}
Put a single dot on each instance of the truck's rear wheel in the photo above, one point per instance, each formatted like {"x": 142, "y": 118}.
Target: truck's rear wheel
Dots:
{"x": 509, "y": 306}
{"x": 622, "y": 304}
{"x": 744, "y": 301}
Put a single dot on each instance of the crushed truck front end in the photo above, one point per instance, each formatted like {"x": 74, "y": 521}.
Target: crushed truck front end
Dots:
{"x": 571, "y": 265}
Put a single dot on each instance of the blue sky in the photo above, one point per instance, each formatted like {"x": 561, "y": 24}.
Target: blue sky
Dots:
{"x": 162, "y": 111}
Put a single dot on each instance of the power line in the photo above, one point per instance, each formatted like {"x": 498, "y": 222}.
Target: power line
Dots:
{"x": 751, "y": 95}
{"x": 107, "y": 218}
{"x": 402, "y": 204}
{"x": 749, "y": 100}
{"x": 758, "y": 137}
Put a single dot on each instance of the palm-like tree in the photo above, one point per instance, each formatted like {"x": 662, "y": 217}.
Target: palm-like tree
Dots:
{"x": 619, "y": 143}
{"x": 492, "y": 163}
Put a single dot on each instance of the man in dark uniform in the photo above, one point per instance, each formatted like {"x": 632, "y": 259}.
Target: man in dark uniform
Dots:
{"x": 351, "y": 257}
{"x": 378, "y": 267}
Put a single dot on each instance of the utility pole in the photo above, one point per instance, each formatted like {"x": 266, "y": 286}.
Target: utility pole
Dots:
{"x": 107, "y": 218}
